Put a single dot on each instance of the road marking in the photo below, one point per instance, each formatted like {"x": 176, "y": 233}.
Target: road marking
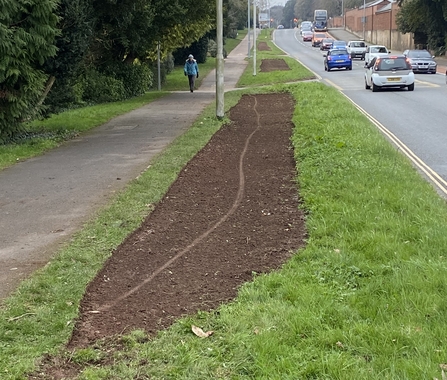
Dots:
{"x": 333, "y": 84}
{"x": 426, "y": 84}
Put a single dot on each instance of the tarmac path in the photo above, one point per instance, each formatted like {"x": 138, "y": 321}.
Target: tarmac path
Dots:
{"x": 44, "y": 200}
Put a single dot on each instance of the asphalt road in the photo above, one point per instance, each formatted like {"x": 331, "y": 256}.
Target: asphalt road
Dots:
{"x": 414, "y": 120}
{"x": 44, "y": 200}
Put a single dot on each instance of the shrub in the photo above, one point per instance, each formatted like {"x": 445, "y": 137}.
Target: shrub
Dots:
{"x": 136, "y": 78}
{"x": 96, "y": 87}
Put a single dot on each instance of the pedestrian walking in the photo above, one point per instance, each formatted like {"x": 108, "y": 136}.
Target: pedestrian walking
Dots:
{"x": 191, "y": 69}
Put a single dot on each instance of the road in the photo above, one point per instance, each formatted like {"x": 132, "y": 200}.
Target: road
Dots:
{"x": 415, "y": 121}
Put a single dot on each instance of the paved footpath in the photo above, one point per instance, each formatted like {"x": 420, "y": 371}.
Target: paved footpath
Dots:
{"x": 44, "y": 200}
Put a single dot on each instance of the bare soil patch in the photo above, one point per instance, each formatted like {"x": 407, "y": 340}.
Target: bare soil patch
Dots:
{"x": 232, "y": 211}
{"x": 263, "y": 46}
{"x": 273, "y": 65}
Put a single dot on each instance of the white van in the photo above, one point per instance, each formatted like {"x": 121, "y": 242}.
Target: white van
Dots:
{"x": 357, "y": 49}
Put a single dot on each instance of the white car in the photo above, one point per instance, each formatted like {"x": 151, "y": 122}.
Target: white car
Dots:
{"x": 357, "y": 49}
{"x": 375, "y": 51}
{"x": 389, "y": 71}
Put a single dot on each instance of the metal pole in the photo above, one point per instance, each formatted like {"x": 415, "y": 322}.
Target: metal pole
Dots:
{"x": 342, "y": 15}
{"x": 248, "y": 23}
{"x": 219, "y": 62}
{"x": 158, "y": 66}
{"x": 364, "y": 18}
{"x": 254, "y": 38}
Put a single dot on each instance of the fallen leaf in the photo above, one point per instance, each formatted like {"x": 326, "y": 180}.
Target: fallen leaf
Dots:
{"x": 200, "y": 333}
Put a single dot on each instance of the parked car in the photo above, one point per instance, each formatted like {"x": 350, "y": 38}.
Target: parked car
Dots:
{"x": 307, "y": 35}
{"x": 421, "y": 61}
{"x": 280, "y": 27}
{"x": 337, "y": 59}
{"x": 390, "y": 71}
{"x": 326, "y": 44}
{"x": 357, "y": 49}
{"x": 339, "y": 44}
{"x": 317, "y": 38}
{"x": 375, "y": 51}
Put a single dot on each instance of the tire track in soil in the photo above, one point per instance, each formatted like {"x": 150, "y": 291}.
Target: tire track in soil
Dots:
{"x": 240, "y": 190}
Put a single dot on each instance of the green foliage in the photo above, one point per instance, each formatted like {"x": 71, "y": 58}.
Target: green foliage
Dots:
{"x": 427, "y": 19}
{"x": 76, "y": 24}
{"x": 27, "y": 32}
{"x": 136, "y": 78}
{"x": 198, "y": 49}
{"x": 96, "y": 87}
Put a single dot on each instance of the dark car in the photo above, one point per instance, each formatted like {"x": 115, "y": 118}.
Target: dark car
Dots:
{"x": 337, "y": 59}
{"x": 326, "y": 44}
{"x": 421, "y": 61}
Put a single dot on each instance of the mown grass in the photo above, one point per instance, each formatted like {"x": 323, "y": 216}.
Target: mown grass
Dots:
{"x": 296, "y": 73}
{"x": 365, "y": 299}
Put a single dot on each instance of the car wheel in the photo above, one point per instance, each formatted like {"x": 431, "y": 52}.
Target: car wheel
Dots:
{"x": 366, "y": 86}
{"x": 349, "y": 68}
{"x": 411, "y": 87}
{"x": 375, "y": 88}
{"x": 325, "y": 68}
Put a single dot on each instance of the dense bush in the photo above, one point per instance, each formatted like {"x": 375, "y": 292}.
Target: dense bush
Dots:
{"x": 198, "y": 49}
{"x": 95, "y": 87}
{"x": 136, "y": 78}
{"x": 212, "y": 49}
{"x": 166, "y": 66}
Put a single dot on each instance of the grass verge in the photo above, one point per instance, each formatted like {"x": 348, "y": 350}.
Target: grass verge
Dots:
{"x": 364, "y": 300}
{"x": 296, "y": 73}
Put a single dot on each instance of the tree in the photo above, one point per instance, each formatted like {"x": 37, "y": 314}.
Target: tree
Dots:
{"x": 427, "y": 19}
{"x": 288, "y": 14}
{"x": 27, "y": 33}
{"x": 76, "y": 22}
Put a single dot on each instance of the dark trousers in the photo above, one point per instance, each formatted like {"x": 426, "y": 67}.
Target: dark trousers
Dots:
{"x": 192, "y": 80}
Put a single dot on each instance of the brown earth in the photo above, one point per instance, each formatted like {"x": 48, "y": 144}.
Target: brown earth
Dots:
{"x": 232, "y": 212}
{"x": 263, "y": 46}
{"x": 268, "y": 65}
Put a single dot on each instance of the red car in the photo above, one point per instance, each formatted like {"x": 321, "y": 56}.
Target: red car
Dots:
{"x": 326, "y": 44}
{"x": 307, "y": 35}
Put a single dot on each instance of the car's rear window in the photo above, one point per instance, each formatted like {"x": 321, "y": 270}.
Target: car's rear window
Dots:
{"x": 358, "y": 44}
{"x": 339, "y": 52}
{"x": 399, "y": 63}
{"x": 419, "y": 54}
{"x": 377, "y": 49}
{"x": 319, "y": 35}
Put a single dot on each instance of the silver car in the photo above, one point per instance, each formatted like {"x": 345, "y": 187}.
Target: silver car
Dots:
{"x": 421, "y": 61}
{"x": 387, "y": 72}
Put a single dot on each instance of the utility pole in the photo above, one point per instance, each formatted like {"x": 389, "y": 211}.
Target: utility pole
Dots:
{"x": 254, "y": 38}
{"x": 364, "y": 18}
{"x": 248, "y": 24}
{"x": 219, "y": 63}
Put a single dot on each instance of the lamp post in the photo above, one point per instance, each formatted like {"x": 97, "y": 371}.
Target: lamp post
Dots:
{"x": 219, "y": 62}
{"x": 342, "y": 15}
{"x": 254, "y": 38}
{"x": 248, "y": 24}
{"x": 364, "y": 18}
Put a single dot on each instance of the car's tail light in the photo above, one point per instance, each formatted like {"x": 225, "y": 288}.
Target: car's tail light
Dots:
{"x": 329, "y": 58}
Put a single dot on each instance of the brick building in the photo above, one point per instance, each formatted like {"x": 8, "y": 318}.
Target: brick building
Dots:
{"x": 375, "y": 22}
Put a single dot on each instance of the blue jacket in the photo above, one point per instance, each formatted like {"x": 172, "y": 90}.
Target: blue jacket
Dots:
{"x": 191, "y": 67}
